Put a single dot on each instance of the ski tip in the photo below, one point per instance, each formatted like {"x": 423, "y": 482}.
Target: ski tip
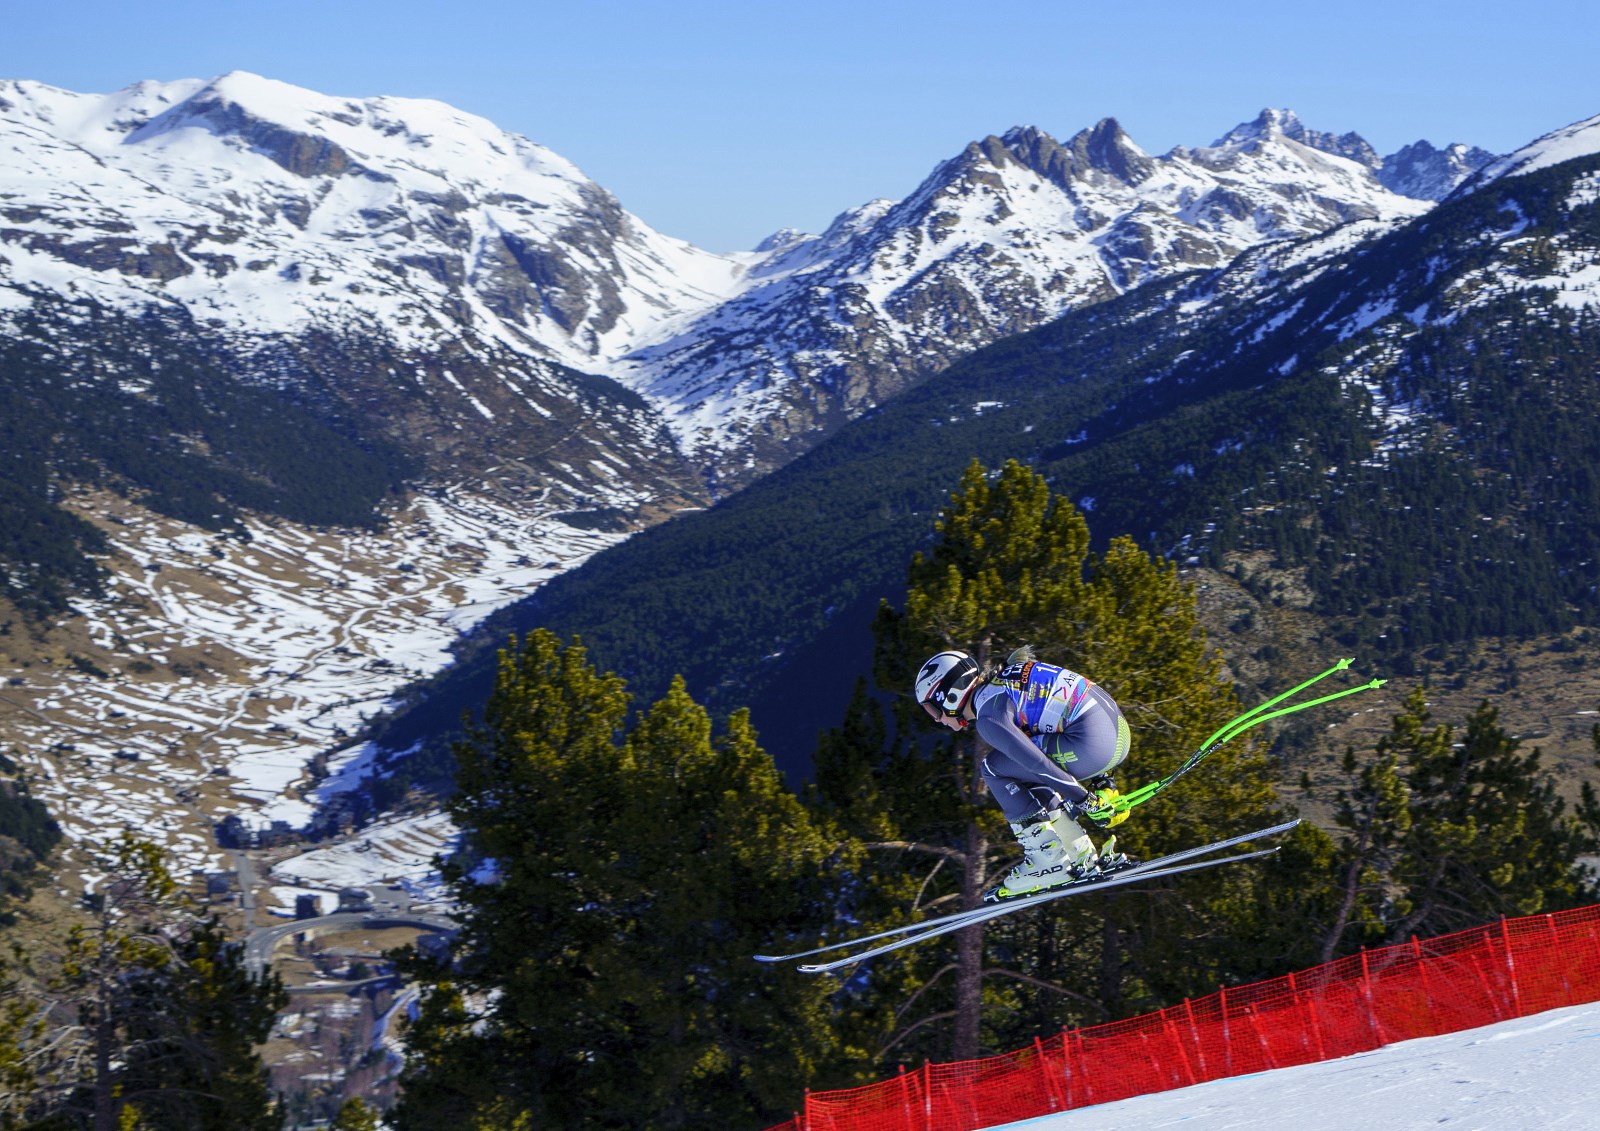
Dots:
{"x": 1343, "y": 664}
{"x": 1375, "y": 684}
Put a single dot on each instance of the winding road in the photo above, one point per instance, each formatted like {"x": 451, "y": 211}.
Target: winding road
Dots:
{"x": 262, "y": 942}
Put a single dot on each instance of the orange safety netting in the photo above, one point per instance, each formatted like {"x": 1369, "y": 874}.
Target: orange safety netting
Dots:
{"x": 1417, "y": 989}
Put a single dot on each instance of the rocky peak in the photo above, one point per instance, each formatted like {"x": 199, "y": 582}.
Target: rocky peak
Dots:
{"x": 1103, "y": 149}
{"x": 1422, "y": 171}
{"x": 301, "y": 152}
{"x": 782, "y": 240}
{"x": 1272, "y": 123}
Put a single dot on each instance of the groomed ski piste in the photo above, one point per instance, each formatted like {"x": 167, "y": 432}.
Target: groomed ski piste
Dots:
{"x": 1535, "y": 1071}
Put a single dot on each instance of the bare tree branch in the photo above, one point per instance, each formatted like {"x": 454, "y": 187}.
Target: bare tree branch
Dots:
{"x": 996, "y": 971}
{"x": 919, "y": 846}
{"x": 884, "y": 1051}
{"x": 906, "y": 1008}
{"x": 928, "y": 879}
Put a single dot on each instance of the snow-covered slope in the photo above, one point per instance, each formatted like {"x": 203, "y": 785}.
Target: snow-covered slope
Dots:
{"x": 266, "y": 208}
{"x": 1534, "y": 1071}
{"x": 269, "y": 211}
{"x": 1577, "y": 140}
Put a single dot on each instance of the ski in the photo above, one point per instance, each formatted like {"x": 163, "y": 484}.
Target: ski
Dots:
{"x": 1141, "y": 869}
{"x": 994, "y": 911}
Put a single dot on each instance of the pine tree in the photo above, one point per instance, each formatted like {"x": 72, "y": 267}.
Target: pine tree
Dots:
{"x": 168, "y": 1019}
{"x": 1489, "y": 835}
{"x": 1006, "y": 561}
{"x": 602, "y": 976}
{"x": 22, "y": 1023}
{"x": 355, "y": 1114}
{"x": 1011, "y": 565}
{"x": 1376, "y": 816}
{"x": 192, "y": 1032}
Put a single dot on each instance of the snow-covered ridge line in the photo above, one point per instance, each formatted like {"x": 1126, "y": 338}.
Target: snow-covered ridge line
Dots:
{"x": 297, "y": 208}
{"x": 264, "y": 208}
{"x": 1580, "y": 139}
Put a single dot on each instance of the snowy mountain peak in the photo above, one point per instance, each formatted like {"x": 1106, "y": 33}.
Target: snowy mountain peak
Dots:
{"x": 1274, "y": 123}
{"x": 1427, "y": 173}
{"x": 288, "y": 123}
{"x": 782, "y": 239}
{"x": 276, "y": 209}
{"x": 1102, "y": 149}
{"x": 1012, "y": 231}
{"x": 1270, "y": 122}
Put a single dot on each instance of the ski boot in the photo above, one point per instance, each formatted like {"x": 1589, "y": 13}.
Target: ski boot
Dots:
{"x": 1055, "y": 851}
{"x": 1113, "y": 859}
{"x": 1103, "y": 795}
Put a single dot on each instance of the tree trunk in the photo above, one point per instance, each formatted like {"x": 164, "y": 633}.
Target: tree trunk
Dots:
{"x": 105, "y": 1093}
{"x": 969, "y": 952}
{"x": 105, "y": 1097}
{"x": 1352, "y": 884}
{"x": 1111, "y": 961}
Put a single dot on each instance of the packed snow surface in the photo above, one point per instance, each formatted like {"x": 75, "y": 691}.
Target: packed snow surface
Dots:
{"x": 1534, "y": 1071}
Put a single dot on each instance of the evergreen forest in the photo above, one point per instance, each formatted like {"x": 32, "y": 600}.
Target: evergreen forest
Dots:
{"x": 151, "y": 414}
{"x": 625, "y": 861}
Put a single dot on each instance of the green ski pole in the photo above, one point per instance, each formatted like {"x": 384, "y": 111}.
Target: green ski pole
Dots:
{"x": 1231, "y": 730}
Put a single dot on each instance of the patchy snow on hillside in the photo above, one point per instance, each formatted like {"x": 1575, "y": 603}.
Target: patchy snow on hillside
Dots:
{"x": 231, "y": 667}
{"x": 1534, "y": 1071}
{"x": 398, "y": 851}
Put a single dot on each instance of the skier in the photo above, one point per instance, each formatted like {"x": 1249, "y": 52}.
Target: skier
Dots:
{"x": 1049, "y": 727}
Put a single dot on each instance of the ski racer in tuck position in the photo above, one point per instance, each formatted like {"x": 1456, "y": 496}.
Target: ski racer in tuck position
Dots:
{"x": 1050, "y": 730}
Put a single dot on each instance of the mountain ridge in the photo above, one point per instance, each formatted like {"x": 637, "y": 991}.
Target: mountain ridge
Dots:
{"x": 269, "y": 209}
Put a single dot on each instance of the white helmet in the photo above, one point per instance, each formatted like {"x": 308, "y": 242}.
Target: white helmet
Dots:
{"x": 945, "y": 680}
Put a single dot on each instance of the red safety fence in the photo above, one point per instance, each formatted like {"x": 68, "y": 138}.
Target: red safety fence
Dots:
{"x": 1418, "y": 989}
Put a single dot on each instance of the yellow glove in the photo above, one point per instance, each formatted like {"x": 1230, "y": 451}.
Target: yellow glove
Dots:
{"x": 1105, "y": 802}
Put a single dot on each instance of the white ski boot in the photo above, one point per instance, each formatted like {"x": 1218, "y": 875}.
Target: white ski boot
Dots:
{"x": 1055, "y": 851}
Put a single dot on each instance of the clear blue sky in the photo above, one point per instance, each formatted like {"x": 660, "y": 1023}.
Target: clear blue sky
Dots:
{"x": 719, "y": 121}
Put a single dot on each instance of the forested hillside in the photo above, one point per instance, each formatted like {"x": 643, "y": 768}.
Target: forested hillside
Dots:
{"x": 152, "y": 414}
{"x": 633, "y": 1000}
{"x": 319, "y": 430}
{"x": 27, "y": 834}
{"x": 1402, "y": 423}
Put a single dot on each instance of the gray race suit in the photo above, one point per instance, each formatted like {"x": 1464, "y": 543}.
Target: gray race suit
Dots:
{"x": 1077, "y": 731}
